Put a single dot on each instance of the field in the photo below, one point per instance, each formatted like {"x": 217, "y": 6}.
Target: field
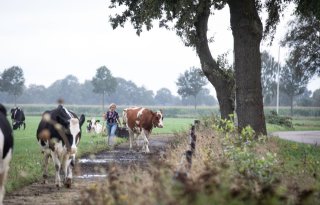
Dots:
{"x": 27, "y": 159}
{"x": 169, "y": 111}
{"x": 299, "y": 124}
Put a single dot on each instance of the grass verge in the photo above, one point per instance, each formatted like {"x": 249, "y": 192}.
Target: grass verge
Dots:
{"x": 227, "y": 168}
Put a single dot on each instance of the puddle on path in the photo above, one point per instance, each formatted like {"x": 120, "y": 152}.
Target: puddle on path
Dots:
{"x": 89, "y": 176}
{"x": 95, "y": 166}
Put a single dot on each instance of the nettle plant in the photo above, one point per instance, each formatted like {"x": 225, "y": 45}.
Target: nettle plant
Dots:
{"x": 239, "y": 146}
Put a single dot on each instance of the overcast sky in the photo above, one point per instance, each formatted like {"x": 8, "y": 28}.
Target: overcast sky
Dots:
{"x": 52, "y": 39}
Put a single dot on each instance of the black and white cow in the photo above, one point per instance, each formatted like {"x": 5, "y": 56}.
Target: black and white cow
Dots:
{"x": 58, "y": 134}
{"x": 6, "y": 147}
{"x": 94, "y": 126}
{"x": 18, "y": 118}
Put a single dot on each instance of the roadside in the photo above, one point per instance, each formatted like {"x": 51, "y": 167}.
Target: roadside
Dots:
{"x": 308, "y": 137}
{"x": 90, "y": 171}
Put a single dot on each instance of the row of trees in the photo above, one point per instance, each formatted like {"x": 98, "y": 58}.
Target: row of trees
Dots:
{"x": 293, "y": 81}
{"x": 190, "y": 21}
{"x": 103, "y": 87}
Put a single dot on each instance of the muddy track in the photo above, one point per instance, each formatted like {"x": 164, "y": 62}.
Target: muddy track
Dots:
{"x": 89, "y": 171}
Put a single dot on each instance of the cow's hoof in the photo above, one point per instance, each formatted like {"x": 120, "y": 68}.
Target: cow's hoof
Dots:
{"x": 58, "y": 186}
{"x": 67, "y": 183}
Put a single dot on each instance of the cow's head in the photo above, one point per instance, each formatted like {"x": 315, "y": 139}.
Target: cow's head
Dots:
{"x": 16, "y": 125}
{"x": 92, "y": 124}
{"x": 72, "y": 126}
{"x": 74, "y": 132}
{"x": 157, "y": 119}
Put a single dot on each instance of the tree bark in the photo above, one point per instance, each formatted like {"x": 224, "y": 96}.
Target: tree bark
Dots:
{"x": 219, "y": 78}
{"x": 247, "y": 33}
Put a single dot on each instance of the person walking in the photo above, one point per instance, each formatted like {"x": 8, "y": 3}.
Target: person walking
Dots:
{"x": 112, "y": 121}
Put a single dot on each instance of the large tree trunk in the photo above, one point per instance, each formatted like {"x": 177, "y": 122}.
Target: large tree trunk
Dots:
{"x": 247, "y": 33}
{"x": 219, "y": 78}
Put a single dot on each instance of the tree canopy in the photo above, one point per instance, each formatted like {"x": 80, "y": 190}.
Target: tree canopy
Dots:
{"x": 303, "y": 38}
{"x": 104, "y": 83}
{"x": 293, "y": 78}
{"x": 12, "y": 81}
{"x": 191, "y": 83}
{"x": 268, "y": 76}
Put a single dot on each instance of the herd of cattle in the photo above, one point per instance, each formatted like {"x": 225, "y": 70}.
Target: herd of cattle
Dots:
{"x": 59, "y": 133}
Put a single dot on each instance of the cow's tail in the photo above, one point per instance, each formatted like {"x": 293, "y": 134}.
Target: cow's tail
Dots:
{"x": 1, "y": 151}
{"x": 124, "y": 117}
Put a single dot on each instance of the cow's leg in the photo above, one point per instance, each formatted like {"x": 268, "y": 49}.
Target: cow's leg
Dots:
{"x": 67, "y": 169}
{"x": 145, "y": 135}
{"x": 137, "y": 139}
{"x": 2, "y": 191}
{"x": 131, "y": 137}
{"x": 57, "y": 165}
{"x": 45, "y": 166}
{"x": 24, "y": 125}
{"x": 3, "y": 175}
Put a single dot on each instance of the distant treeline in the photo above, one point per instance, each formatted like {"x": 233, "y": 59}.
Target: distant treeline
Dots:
{"x": 126, "y": 93}
{"x": 169, "y": 111}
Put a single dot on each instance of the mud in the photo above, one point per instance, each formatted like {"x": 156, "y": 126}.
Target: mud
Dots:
{"x": 89, "y": 171}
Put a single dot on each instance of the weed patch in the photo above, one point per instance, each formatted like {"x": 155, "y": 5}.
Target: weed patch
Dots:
{"x": 227, "y": 168}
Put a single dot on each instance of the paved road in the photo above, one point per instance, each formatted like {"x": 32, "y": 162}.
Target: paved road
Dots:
{"x": 308, "y": 137}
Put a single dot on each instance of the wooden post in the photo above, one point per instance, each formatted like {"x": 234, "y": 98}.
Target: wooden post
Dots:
{"x": 193, "y": 139}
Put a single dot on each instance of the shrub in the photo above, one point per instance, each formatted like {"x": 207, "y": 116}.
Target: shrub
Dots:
{"x": 274, "y": 118}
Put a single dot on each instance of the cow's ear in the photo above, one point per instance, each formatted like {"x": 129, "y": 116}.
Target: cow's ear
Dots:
{"x": 97, "y": 120}
{"x": 88, "y": 120}
{"x": 82, "y": 119}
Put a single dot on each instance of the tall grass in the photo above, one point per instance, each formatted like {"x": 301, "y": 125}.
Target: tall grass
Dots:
{"x": 215, "y": 176}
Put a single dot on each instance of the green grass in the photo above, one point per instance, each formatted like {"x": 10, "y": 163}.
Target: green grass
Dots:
{"x": 298, "y": 154}
{"x": 299, "y": 124}
{"x": 26, "y": 165}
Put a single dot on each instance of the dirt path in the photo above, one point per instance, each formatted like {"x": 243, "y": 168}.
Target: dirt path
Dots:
{"x": 89, "y": 171}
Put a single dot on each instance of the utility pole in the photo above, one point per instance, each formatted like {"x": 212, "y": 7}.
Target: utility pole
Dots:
{"x": 278, "y": 79}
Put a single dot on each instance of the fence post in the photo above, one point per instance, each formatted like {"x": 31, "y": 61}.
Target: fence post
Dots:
{"x": 193, "y": 139}
{"x": 186, "y": 159}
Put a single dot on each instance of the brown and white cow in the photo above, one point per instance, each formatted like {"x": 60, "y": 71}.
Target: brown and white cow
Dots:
{"x": 58, "y": 134}
{"x": 141, "y": 120}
